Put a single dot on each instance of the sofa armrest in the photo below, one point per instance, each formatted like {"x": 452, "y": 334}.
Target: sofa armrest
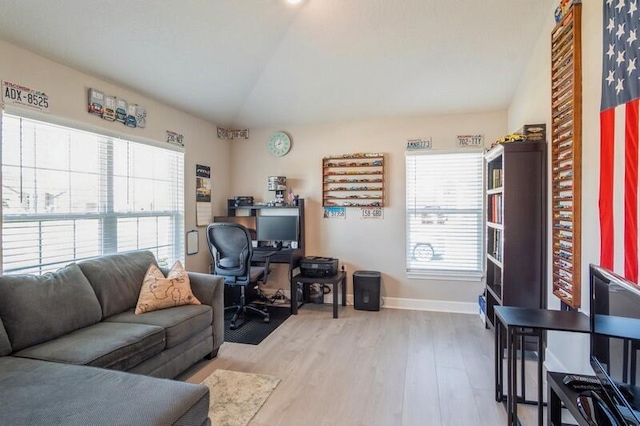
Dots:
{"x": 209, "y": 289}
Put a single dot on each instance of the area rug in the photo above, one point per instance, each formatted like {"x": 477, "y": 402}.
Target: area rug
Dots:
{"x": 236, "y": 397}
{"x": 255, "y": 330}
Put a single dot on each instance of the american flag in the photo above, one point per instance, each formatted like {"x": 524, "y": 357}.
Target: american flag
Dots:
{"x": 619, "y": 138}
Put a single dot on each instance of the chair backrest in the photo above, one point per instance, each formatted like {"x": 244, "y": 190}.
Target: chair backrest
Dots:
{"x": 231, "y": 251}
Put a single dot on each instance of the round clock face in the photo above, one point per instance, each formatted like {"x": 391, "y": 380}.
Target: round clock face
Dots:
{"x": 279, "y": 144}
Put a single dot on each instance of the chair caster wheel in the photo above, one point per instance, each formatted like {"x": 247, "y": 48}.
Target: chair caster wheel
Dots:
{"x": 233, "y": 327}
{"x": 266, "y": 319}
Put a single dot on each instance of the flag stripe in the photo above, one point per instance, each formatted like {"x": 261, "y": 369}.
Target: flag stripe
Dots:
{"x": 631, "y": 192}
{"x": 607, "y": 125}
{"x": 619, "y": 132}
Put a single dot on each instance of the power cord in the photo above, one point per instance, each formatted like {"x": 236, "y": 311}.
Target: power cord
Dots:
{"x": 278, "y": 295}
{"x": 262, "y": 296}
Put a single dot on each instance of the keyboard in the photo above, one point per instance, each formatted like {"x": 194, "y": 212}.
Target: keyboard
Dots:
{"x": 266, "y": 249}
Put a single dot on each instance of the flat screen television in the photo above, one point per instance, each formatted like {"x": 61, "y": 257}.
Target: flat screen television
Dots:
{"x": 615, "y": 342}
{"x": 277, "y": 228}
{"x": 248, "y": 222}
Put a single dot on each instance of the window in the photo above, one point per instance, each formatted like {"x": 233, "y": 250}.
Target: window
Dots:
{"x": 444, "y": 213}
{"x": 68, "y": 195}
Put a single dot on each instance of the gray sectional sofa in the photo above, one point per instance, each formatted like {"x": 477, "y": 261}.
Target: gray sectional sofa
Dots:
{"x": 56, "y": 329}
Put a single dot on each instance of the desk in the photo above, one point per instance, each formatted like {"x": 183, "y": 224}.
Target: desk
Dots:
{"x": 558, "y": 392}
{"x": 291, "y": 257}
{"x": 335, "y": 281}
{"x": 520, "y": 322}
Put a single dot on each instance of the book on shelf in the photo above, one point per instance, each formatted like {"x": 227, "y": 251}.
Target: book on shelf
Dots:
{"x": 497, "y": 245}
{"x": 496, "y": 208}
{"x": 496, "y": 178}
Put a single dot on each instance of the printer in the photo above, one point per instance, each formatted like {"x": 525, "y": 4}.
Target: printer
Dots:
{"x": 318, "y": 267}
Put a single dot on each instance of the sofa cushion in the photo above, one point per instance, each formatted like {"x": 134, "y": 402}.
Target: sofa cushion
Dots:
{"x": 171, "y": 362}
{"x": 160, "y": 292}
{"x": 117, "y": 279}
{"x": 35, "y": 309}
{"x": 179, "y": 323}
{"x": 45, "y": 393}
{"x": 113, "y": 345}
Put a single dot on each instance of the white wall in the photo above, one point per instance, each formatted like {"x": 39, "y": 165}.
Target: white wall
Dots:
{"x": 377, "y": 245}
{"x": 67, "y": 91}
{"x": 533, "y": 102}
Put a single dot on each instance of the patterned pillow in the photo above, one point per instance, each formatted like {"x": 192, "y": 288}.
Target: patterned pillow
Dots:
{"x": 158, "y": 292}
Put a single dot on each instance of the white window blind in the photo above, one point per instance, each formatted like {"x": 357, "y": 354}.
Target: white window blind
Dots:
{"x": 68, "y": 195}
{"x": 444, "y": 213}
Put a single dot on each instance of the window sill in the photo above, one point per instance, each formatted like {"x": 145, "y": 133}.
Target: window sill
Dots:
{"x": 445, "y": 276}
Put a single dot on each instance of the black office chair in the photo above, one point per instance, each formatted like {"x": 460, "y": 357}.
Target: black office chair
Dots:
{"x": 231, "y": 251}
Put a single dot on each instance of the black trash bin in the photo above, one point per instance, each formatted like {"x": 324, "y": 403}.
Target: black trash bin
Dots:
{"x": 366, "y": 290}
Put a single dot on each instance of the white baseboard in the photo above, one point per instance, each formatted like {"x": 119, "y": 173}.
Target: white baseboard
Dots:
{"x": 416, "y": 304}
{"x": 431, "y": 305}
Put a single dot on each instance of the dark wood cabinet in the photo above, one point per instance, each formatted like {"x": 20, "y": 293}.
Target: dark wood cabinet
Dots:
{"x": 515, "y": 225}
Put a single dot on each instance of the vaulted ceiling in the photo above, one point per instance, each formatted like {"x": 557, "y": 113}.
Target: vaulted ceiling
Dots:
{"x": 265, "y": 63}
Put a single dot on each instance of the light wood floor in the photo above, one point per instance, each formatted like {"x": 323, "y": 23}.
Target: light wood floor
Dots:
{"x": 388, "y": 368}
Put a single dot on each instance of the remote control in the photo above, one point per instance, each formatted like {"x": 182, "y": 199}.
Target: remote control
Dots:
{"x": 581, "y": 382}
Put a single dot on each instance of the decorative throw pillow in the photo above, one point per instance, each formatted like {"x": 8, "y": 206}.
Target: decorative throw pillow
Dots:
{"x": 158, "y": 292}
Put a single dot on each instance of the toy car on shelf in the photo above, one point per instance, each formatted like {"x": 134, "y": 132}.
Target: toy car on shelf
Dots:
{"x": 96, "y": 108}
{"x": 512, "y": 137}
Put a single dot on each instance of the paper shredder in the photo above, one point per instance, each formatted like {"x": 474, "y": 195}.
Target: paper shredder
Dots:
{"x": 366, "y": 290}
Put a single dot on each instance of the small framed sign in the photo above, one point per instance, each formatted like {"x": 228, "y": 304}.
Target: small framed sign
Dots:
{"x": 17, "y": 94}
{"x": 418, "y": 144}
{"x": 465, "y": 141}
{"x": 175, "y": 138}
{"x": 371, "y": 213}
{"x": 192, "y": 242}
{"x": 335, "y": 213}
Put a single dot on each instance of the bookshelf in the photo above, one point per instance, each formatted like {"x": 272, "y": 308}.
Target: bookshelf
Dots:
{"x": 515, "y": 226}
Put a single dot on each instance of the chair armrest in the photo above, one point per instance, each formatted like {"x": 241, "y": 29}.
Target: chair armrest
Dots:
{"x": 209, "y": 289}
{"x": 263, "y": 257}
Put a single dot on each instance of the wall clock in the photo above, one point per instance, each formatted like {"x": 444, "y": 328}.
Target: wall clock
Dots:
{"x": 279, "y": 144}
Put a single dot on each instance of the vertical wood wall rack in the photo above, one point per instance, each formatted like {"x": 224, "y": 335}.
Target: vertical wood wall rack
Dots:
{"x": 566, "y": 155}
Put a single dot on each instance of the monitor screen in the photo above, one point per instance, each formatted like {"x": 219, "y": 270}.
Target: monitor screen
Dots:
{"x": 615, "y": 341}
{"x": 248, "y": 222}
{"x": 277, "y": 228}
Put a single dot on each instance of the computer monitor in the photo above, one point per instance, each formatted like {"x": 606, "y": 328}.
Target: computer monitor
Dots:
{"x": 615, "y": 342}
{"x": 277, "y": 228}
{"x": 248, "y": 222}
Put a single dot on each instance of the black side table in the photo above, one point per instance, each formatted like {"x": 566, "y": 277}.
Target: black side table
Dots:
{"x": 519, "y": 322}
{"x": 335, "y": 281}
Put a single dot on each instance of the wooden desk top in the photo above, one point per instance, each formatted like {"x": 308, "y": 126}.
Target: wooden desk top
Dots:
{"x": 546, "y": 319}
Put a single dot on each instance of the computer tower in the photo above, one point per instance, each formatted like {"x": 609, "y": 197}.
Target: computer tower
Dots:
{"x": 366, "y": 290}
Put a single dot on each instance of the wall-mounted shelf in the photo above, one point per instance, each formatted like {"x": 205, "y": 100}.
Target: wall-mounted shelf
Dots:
{"x": 566, "y": 155}
{"x": 353, "y": 180}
